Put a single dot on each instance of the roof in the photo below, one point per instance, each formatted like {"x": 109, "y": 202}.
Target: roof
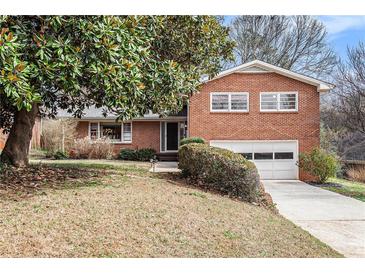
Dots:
{"x": 93, "y": 113}
{"x": 258, "y": 66}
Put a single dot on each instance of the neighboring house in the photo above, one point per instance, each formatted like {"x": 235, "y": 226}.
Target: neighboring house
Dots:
{"x": 267, "y": 113}
{"x": 36, "y": 138}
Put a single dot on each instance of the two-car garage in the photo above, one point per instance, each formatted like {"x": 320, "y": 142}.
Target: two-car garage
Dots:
{"x": 274, "y": 159}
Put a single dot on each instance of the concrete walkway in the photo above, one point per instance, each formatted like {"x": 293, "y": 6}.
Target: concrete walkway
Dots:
{"x": 336, "y": 220}
{"x": 165, "y": 167}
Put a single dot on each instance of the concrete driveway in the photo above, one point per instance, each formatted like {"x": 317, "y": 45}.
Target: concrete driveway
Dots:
{"x": 336, "y": 220}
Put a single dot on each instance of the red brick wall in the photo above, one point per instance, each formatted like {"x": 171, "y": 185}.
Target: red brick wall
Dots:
{"x": 144, "y": 135}
{"x": 255, "y": 125}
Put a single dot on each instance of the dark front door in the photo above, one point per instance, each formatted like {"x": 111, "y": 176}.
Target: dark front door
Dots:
{"x": 172, "y": 136}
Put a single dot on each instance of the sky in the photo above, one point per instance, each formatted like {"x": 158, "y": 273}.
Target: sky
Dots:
{"x": 342, "y": 31}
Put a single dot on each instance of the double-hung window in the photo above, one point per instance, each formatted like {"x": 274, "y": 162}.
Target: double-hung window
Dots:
{"x": 116, "y": 132}
{"x": 229, "y": 102}
{"x": 278, "y": 101}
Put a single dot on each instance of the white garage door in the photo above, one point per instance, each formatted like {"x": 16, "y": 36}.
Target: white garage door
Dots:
{"x": 274, "y": 159}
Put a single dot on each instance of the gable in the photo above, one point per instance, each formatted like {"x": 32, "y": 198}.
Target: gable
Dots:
{"x": 253, "y": 69}
{"x": 262, "y": 67}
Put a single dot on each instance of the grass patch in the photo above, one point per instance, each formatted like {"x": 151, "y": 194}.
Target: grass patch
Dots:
{"x": 196, "y": 194}
{"x": 348, "y": 188}
{"x": 130, "y": 213}
{"x": 122, "y": 166}
{"x": 230, "y": 235}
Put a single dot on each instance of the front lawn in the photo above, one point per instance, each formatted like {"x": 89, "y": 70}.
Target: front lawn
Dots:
{"x": 125, "y": 211}
{"x": 348, "y": 188}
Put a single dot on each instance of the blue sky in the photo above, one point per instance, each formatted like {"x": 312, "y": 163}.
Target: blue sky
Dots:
{"x": 342, "y": 31}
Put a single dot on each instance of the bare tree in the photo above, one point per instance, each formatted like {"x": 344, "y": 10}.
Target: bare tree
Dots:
{"x": 350, "y": 89}
{"x": 292, "y": 42}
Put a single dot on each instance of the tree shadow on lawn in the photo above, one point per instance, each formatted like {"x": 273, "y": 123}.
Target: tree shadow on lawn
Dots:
{"x": 18, "y": 183}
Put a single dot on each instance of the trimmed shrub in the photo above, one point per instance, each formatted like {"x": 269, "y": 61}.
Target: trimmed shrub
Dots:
{"x": 319, "y": 164}
{"x": 96, "y": 149}
{"x": 220, "y": 169}
{"x": 143, "y": 154}
{"x": 128, "y": 154}
{"x": 190, "y": 140}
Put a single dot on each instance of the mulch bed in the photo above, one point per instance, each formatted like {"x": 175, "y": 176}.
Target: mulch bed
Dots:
{"x": 329, "y": 184}
{"x": 25, "y": 182}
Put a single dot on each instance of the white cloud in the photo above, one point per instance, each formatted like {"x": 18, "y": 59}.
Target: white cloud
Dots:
{"x": 338, "y": 24}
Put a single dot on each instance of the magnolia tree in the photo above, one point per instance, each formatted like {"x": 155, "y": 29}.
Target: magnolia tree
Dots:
{"x": 125, "y": 64}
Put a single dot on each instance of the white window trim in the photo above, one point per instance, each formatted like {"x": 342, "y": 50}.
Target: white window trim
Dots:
{"x": 121, "y": 128}
{"x": 278, "y": 102}
{"x": 229, "y": 102}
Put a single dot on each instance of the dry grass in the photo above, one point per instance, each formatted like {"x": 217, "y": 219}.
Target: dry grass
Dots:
{"x": 357, "y": 173}
{"x": 132, "y": 213}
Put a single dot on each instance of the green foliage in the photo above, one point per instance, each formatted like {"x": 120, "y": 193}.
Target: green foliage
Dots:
{"x": 60, "y": 155}
{"x": 128, "y": 154}
{"x": 190, "y": 140}
{"x": 230, "y": 235}
{"x": 143, "y": 154}
{"x": 221, "y": 170}
{"x": 319, "y": 164}
{"x": 125, "y": 64}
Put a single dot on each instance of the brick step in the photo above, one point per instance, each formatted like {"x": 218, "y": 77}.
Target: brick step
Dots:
{"x": 167, "y": 157}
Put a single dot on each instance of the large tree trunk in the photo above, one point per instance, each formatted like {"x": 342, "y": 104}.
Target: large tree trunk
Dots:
{"x": 17, "y": 145}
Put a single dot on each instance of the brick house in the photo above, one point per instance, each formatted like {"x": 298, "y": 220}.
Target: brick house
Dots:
{"x": 267, "y": 113}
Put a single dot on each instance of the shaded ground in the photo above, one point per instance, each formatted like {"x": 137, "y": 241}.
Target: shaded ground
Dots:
{"x": 17, "y": 183}
{"x": 129, "y": 212}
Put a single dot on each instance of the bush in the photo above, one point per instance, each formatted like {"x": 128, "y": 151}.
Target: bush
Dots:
{"x": 319, "y": 164}
{"x": 221, "y": 170}
{"x": 190, "y": 140}
{"x": 143, "y": 154}
{"x": 60, "y": 155}
{"x": 128, "y": 154}
{"x": 96, "y": 149}
{"x": 357, "y": 173}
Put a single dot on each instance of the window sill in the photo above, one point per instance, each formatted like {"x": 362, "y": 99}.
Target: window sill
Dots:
{"x": 229, "y": 112}
{"x": 279, "y": 111}
{"x": 114, "y": 142}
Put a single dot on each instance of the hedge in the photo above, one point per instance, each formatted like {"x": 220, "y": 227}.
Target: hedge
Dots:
{"x": 220, "y": 169}
{"x": 143, "y": 154}
{"x": 190, "y": 140}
